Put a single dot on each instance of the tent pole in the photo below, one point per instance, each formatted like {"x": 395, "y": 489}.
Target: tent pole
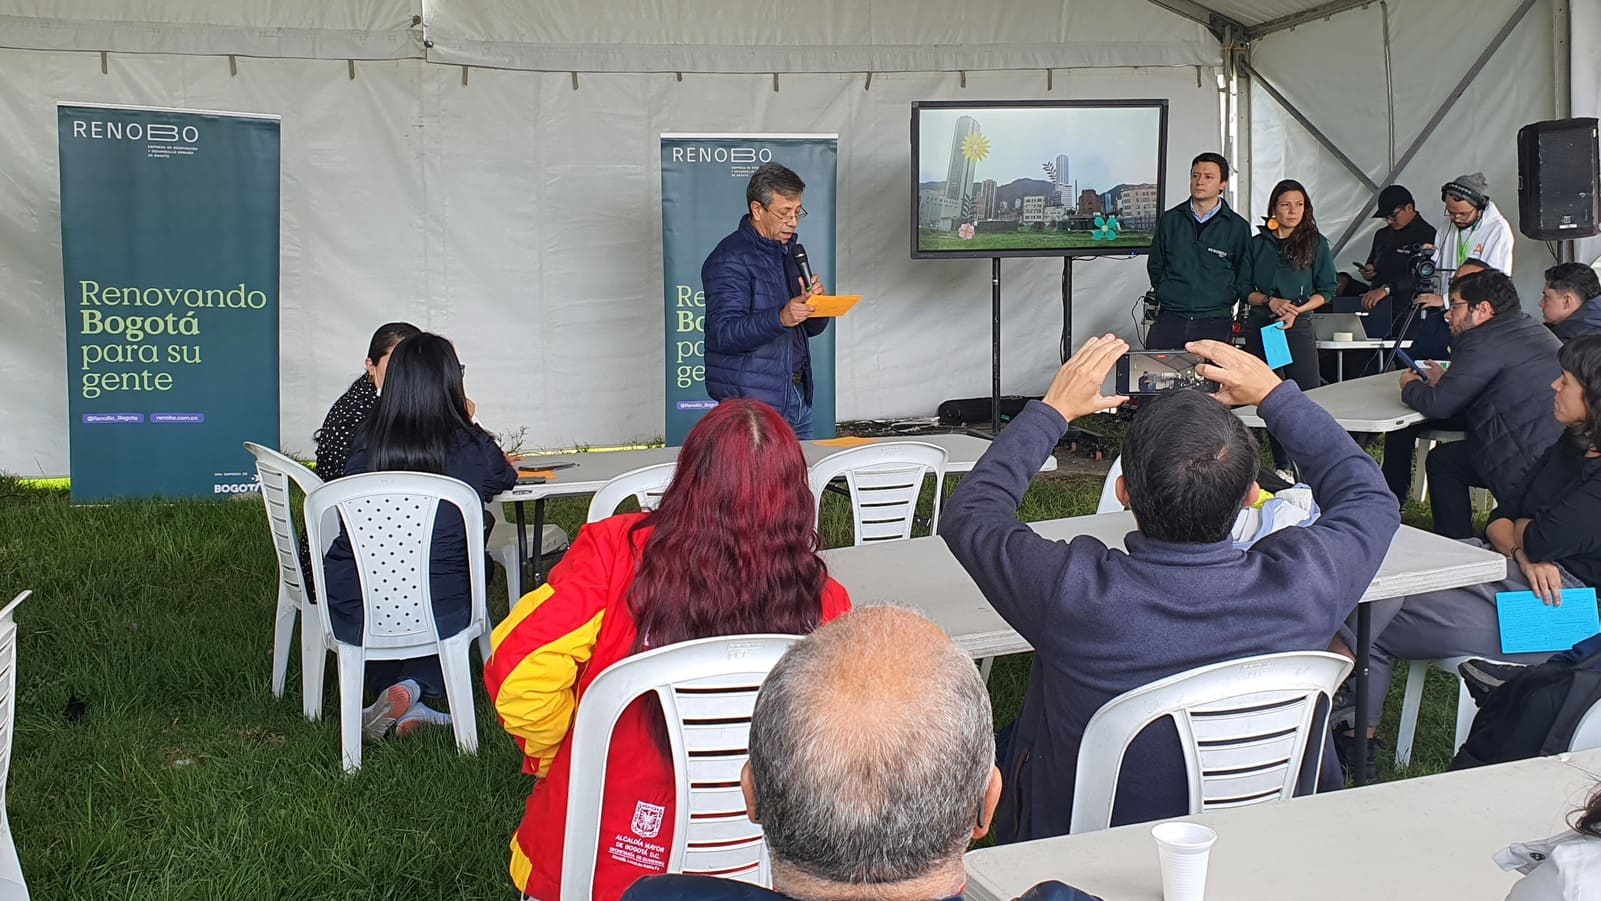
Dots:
{"x": 1311, "y": 129}
{"x": 1512, "y": 21}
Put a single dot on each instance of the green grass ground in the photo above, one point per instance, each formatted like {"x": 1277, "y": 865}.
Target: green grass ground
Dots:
{"x": 185, "y": 778}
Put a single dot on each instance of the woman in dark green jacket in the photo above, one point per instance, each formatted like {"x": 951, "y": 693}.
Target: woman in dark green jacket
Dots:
{"x": 1291, "y": 273}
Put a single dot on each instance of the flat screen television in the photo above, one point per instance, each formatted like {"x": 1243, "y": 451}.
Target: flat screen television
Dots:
{"x": 1036, "y": 178}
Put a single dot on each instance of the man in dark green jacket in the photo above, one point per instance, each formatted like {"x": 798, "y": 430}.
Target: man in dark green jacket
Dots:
{"x": 1198, "y": 262}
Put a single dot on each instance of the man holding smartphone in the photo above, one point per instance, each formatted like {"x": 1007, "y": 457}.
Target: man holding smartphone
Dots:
{"x": 1389, "y": 267}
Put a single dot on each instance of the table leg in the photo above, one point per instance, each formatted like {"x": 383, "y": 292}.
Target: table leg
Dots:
{"x": 1364, "y": 643}
{"x": 539, "y": 539}
{"x": 522, "y": 550}
{"x": 1339, "y": 366}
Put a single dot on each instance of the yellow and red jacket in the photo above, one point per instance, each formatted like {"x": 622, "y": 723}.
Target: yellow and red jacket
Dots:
{"x": 556, "y": 640}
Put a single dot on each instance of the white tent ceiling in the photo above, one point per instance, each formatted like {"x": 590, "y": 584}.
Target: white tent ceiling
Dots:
{"x": 476, "y": 182}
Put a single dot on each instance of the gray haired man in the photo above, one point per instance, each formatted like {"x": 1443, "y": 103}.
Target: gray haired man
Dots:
{"x": 872, "y": 767}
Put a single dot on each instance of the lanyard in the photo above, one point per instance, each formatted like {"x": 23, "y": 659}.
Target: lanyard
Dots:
{"x": 1464, "y": 242}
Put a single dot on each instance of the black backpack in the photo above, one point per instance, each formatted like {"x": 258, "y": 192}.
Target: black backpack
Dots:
{"x": 1535, "y": 712}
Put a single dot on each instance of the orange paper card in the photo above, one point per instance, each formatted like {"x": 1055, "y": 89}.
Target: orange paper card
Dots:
{"x": 830, "y": 305}
{"x": 849, "y": 441}
{"x": 545, "y": 474}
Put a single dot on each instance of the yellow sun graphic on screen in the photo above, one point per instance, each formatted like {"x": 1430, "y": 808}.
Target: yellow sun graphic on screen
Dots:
{"x": 975, "y": 147}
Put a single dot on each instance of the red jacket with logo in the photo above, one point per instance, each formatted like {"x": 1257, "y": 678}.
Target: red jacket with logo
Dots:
{"x": 553, "y": 644}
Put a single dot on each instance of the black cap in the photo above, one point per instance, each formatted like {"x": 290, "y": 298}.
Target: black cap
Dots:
{"x": 1391, "y": 199}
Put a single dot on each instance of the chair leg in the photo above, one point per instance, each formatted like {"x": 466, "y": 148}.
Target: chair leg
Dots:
{"x": 1420, "y": 476}
{"x": 313, "y": 664}
{"x": 485, "y": 645}
{"x": 459, "y": 692}
{"x": 984, "y": 667}
{"x": 283, "y": 632}
{"x": 1416, "y": 675}
{"x": 12, "y": 886}
{"x": 351, "y": 670}
{"x": 1466, "y": 710}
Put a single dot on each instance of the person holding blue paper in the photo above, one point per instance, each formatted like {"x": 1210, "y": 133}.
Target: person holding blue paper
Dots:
{"x": 1290, "y": 273}
{"x": 1551, "y": 535}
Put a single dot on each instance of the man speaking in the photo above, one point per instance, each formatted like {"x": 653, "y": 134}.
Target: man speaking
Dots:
{"x": 758, "y": 287}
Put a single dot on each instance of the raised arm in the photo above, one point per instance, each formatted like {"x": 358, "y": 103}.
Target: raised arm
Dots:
{"x": 1017, "y": 570}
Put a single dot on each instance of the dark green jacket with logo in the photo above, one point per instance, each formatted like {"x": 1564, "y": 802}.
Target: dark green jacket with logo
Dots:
{"x": 1200, "y": 270}
{"x": 1275, "y": 277}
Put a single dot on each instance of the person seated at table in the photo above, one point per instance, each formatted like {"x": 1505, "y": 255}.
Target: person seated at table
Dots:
{"x": 1564, "y": 867}
{"x": 346, "y": 416}
{"x": 1291, "y": 273}
{"x": 1550, "y": 533}
{"x": 872, "y": 767}
{"x": 1571, "y": 301}
{"x": 1103, "y": 622}
{"x": 356, "y": 404}
{"x": 1502, "y": 361}
{"x": 423, "y": 423}
{"x": 732, "y": 549}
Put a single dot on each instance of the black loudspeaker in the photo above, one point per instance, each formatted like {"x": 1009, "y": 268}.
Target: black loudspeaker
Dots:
{"x": 976, "y": 410}
{"x": 1559, "y": 175}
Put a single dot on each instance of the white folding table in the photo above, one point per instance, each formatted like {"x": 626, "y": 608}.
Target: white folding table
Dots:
{"x": 1369, "y": 404}
{"x": 1431, "y": 837}
{"x": 582, "y": 474}
{"x": 922, "y": 572}
{"x": 1340, "y": 347}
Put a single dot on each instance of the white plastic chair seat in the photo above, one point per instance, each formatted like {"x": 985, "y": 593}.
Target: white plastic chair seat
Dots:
{"x": 707, "y": 689}
{"x": 275, "y": 471}
{"x": 1244, "y": 726}
{"x": 884, "y": 480}
{"x": 1426, "y": 441}
{"x": 1412, "y": 702}
{"x": 646, "y": 485}
{"x": 502, "y": 546}
{"x": 388, "y": 518}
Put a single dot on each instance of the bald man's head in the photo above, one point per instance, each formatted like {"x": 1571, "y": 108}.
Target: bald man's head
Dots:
{"x": 871, "y": 750}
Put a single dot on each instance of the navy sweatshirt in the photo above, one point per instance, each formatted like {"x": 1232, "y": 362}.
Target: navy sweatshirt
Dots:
{"x": 1103, "y": 622}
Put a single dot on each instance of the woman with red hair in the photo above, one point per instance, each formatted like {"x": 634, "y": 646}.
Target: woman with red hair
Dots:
{"x": 731, "y": 550}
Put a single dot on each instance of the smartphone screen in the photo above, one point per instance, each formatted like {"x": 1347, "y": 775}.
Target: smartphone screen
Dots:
{"x": 1146, "y": 372}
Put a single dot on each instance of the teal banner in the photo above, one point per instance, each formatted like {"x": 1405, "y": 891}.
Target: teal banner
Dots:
{"x": 169, "y": 257}
{"x": 703, "y": 198}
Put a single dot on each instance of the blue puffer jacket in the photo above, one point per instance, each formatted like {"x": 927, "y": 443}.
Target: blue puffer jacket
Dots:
{"x": 749, "y": 280}
{"x": 707, "y": 888}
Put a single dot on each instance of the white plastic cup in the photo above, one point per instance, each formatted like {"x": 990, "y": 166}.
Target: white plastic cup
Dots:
{"x": 1344, "y": 337}
{"x": 1183, "y": 850}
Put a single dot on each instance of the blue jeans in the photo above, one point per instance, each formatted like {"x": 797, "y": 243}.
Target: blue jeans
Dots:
{"x": 797, "y": 412}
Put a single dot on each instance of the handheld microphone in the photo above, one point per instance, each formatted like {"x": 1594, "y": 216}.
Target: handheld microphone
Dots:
{"x": 798, "y": 254}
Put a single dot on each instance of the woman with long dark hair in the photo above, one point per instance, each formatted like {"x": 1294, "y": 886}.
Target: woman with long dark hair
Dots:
{"x": 731, "y": 550}
{"x": 1291, "y": 273}
{"x": 422, "y": 423}
{"x": 1551, "y": 537}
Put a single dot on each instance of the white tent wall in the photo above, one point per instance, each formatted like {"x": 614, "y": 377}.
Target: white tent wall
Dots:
{"x": 522, "y": 219}
{"x": 1343, "y": 94}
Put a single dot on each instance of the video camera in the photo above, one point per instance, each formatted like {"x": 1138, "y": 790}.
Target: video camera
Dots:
{"x": 1420, "y": 265}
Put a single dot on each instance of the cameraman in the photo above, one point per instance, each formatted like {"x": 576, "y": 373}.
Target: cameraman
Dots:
{"x": 1474, "y": 230}
{"x": 1389, "y": 265}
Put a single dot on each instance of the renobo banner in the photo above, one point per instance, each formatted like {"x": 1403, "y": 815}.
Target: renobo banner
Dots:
{"x": 169, "y": 253}
{"x": 703, "y": 198}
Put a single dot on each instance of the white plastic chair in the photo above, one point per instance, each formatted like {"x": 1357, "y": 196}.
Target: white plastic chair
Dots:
{"x": 645, "y": 485}
{"x": 707, "y": 689}
{"x": 1244, "y": 726}
{"x": 1426, "y": 441}
{"x": 1587, "y": 735}
{"x": 502, "y": 546}
{"x": 884, "y": 480}
{"x": 1109, "y": 502}
{"x": 1412, "y": 701}
{"x": 12, "y": 886}
{"x": 275, "y": 471}
{"x": 389, "y": 520}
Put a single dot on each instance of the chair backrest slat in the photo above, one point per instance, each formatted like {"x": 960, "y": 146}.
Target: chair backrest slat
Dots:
{"x": 275, "y": 471}
{"x": 645, "y": 484}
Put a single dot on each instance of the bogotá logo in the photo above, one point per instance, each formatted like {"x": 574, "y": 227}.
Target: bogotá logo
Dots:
{"x": 1106, "y": 228}
{"x": 975, "y": 147}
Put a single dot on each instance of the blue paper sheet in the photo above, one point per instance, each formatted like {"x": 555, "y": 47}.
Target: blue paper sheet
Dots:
{"x": 1528, "y": 626}
{"x": 1275, "y": 347}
